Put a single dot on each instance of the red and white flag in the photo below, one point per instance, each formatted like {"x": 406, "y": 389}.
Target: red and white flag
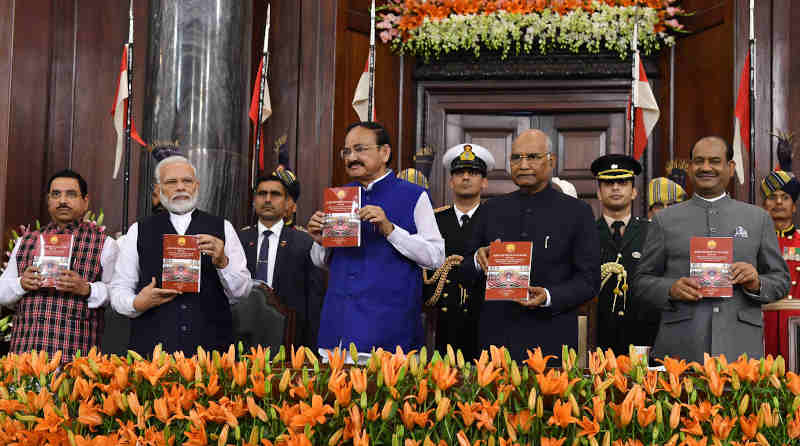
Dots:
{"x": 266, "y": 111}
{"x": 119, "y": 111}
{"x": 646, "y": 112}
{"x": 741, "y": 120}
{"x": 361, "y": 97}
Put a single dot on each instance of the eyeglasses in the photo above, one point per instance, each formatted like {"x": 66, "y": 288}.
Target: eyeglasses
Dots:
{"x": 173, "y": 182}
{"x": 71, "y": 194}
{"x": 516, "y": 158}
{"x": 358, "y": 149}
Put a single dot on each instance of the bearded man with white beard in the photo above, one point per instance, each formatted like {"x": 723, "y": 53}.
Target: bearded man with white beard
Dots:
{"x": 179, "y": 321}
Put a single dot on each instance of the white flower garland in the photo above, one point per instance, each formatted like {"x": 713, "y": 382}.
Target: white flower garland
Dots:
{"x": 608, "y": 28}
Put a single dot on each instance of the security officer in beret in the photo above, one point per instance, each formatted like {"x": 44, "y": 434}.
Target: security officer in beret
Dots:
{"x": 278, "y": 257}
{"x": 780, "y": 189}
{"x": 457, "y": 297}
{"x": 620, "y": 321}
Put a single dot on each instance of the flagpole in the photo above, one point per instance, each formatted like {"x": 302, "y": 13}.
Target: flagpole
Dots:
{"x": 126, "y": 176}
{"x": 635, "y": 80}
{"x": 371, "y": 98}
{"x": 752, "y": 52}
{"x": 261, "y": 89}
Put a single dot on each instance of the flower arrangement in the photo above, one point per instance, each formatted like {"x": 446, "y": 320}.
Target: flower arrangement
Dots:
{"x": 397, "y": 398}
{"x": 431, "y": 28}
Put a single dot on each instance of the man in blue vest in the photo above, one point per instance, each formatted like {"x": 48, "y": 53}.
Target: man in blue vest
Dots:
{"x": 374, "y": 296}
{"x": 179, "y": 321}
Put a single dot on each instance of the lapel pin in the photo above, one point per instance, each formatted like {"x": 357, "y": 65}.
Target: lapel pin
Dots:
{"x": 283, "y": 243}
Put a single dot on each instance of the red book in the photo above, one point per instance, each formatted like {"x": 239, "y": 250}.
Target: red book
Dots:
{"x": 509, "y": 270}
{"x": 181, "y": 265}
{"x": 710, "y": 263}
{"x": 55, "y": 251}
{"x": 342, "y": 224}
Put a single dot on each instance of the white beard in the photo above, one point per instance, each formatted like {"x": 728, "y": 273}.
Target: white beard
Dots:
{"x": 180, "y": 208}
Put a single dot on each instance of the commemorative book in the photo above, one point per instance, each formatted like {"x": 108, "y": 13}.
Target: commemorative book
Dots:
{"x": 342, "y": 226}
{"x": 509, "y": 272}
{"x": 710, "y": 262}
{"x": 55, "y": 257}
{"x": 181, "y": 265}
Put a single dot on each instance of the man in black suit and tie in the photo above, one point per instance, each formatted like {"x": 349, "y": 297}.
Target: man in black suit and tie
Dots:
{"x": 459, "y": 301}
{"x": 278, "y": 255}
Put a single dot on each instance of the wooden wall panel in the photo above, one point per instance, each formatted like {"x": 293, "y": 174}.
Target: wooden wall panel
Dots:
{"x": 6, "y": 64}
{"x": 92, "y": 151}
{"x": 395, "y": 110}
{"x": 28, "y": 116}
{"x": 794, "y": 75}
{"x": 703, "y": 78}
{"x": 60, "y": 84}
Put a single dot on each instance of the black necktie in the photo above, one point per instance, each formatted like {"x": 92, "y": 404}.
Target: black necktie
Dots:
{"x": 617, "y": 227}
{"x": 464, "y": 220}
{"x": 262, "y": 270}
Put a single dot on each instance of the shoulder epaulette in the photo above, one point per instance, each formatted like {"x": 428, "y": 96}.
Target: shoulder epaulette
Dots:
{"x": 443, "y": 208}
{"x": 300, "y": 228}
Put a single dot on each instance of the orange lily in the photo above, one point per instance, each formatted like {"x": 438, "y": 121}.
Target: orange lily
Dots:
{"x": 422, "y": 391}
{"x": 462, "y": 438}
{"x": 443, "y": 375}
{"x": 692, "y": 427}
{"x": 523, "y": 420}
{"x": 255, "y": 410}
{"x": 646, "y": 415}
{"x": 51, "y": 422}
{"x": 361, "y": 439}
{"x": 442, "y": 408}
{"x": 336, "y": 358}
{"x": 704, "y": 411}
{"x": 298, "y": 357}
{"x": 160, "y": 408}
{"x": 674, "y": 366}
{"x": 359, "y": 379}
{"x": 793, "y": 425}
{"x": 620, "y": 381}
{"x": 313, "y": 414}
{"x": 588, "y": 427}
{"x": 721, "y": 426}
{"x": 536, "y": 361}
{"x": 650, "y": 382}
{"x": 467, "y": 413}
{"x": 374, "y": 412}
{"x": 544, "y": 441}
{"x": 562, "y": 415}
{"x": 673, "y": 387}
{"x": 598, "y": 408}
{"x": 793, "y": 382}
{"x": 675, "y": 416}
{"x": 239, "y": 371}
{"x": 624, "y": 364}
{"x": 287, "y": 412}
{"x": 555, "y": 382}
{"x": 692, "y": 441}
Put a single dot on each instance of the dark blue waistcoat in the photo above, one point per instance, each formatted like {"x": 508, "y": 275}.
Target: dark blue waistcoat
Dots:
{"x": 191, "y": 319}
{"x": 374, "y": 293}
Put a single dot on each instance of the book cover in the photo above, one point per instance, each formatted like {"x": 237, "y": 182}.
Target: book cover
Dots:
{"x": 509, "y": 272}
{"x": 342, "y": 226}
{"x": 55, "y": 257}
{"x": 710, "y": 263}
{"x": 181, "y": 264}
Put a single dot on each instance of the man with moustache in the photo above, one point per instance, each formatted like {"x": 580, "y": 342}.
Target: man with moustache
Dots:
{"x": 690, "y": 324}
{"x": 278, "y": 257}
{"x": 780, "y": 189}
{"x": 70, "y": 316}
{"x": 458, "y": 302}
{"x": 179, "y": 321}
{"x": 374, "y": 296}
{"x": 565, "y": 269}
{"x": 620, "y": 322}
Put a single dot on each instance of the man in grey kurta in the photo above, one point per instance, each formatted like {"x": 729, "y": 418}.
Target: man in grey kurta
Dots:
{"x": 690, "y": 324}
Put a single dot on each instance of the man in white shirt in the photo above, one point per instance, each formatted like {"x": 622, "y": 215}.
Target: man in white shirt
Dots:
{"x": 69, "y": 316}
{"x": 179, "y": 321}
{"x": 692, "y": 325}
{"x": 374, "y": 296}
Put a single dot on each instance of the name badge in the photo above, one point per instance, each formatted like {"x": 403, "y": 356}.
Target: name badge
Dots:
{"x": 636, "y": 255}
